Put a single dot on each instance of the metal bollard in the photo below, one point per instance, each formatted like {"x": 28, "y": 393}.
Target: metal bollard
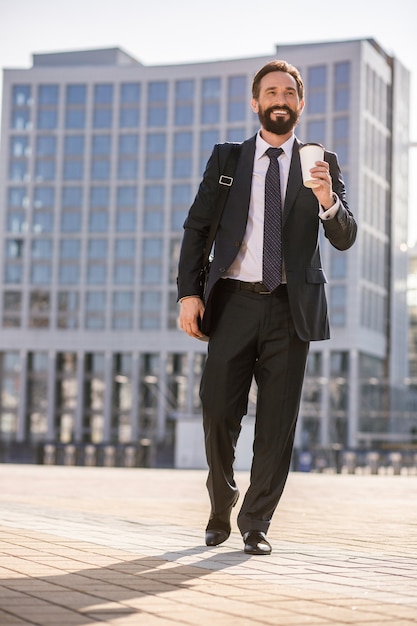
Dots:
{"x": 373, "y": 462}
{"x": 90, "y": 456}
{"x": 109, "y": 456}
{"x": 349, "y": 459}
{"x": 49, "y": 454}
{"x": 396, "y": 462}
{"x": 70, "y": 455}
{"x": 130, "y": 456}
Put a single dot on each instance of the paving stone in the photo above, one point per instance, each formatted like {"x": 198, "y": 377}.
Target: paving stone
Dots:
{"x": 125, "y": 547}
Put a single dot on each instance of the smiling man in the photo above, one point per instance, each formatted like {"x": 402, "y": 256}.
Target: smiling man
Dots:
{"x": 264, "y": 301}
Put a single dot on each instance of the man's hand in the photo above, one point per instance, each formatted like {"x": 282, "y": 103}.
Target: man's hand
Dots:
{"x": 191, "y": 311}
{"x": 324, "y": 191}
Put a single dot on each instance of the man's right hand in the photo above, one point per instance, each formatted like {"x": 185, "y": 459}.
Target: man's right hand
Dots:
{"x": 191, "y": 311}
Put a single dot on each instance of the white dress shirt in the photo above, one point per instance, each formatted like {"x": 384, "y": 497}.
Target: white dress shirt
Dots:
{"x": 247, "y": 265}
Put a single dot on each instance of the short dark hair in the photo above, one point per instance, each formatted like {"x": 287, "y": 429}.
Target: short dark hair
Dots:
{"x": 277, "y": 66}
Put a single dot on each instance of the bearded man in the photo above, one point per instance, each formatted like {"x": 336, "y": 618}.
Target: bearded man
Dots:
{"x": 264, "y": 301}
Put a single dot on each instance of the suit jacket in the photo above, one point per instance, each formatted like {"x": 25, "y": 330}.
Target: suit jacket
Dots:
{"x": 300, "y": 230}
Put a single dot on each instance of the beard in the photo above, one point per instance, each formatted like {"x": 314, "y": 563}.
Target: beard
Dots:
{"x": 278, "y": 126}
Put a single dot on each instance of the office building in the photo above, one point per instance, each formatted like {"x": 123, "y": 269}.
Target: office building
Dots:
{"x": 101, "y": 157}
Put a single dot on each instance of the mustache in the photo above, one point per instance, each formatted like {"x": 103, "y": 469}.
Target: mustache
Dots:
{"x": 269, "y": 110}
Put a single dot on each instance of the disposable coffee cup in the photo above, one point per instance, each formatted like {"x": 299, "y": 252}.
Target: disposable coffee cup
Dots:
{"x": 309, "y": 154}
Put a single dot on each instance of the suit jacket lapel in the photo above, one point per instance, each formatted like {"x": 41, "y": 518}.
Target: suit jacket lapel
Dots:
{"x": 295, "y": 180}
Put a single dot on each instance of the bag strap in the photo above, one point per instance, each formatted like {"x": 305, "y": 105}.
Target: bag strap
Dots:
{"x": 225, "y": 183}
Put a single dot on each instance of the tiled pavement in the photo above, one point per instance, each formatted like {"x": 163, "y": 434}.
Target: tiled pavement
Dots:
{"x": 125, "y": 547}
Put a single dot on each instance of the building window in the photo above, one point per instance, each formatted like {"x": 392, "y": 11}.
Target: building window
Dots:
{"x": 37, "y": 395}
{"x": 76, "y": 94}
{"x": 95, "y": 306}
{"x": 99, "y": 197}
{"x": 122, "y": 317}
{"x": 96, "y": 273}
{"x": 236, "y": 99}
{"x": 75, "y": 119}
{"x": 124, "y": 249}
{"x": 177, "y": 380}
{"x": 94, "y": 389}
{"x": 130, "y": 93}
{"x": 341, "y": 86}
{"x": 42, "y": 221}
{"x": 316, "y": 131}
{"x": 73, "y": 169}
{"x": 157, "y": 103}
{"x": 44, "y": 170}
{"x": 40, "y": 273}
{"x": 180, "y": 197}
{"x": 69, "y": 249}
{"x": 103, "y": 93}
{"x": 121, "y": 420}
{"x": 98, "y": 221}
{"x": 338, "y": 305}
{"x": 149, "y": 394}
{"x": 125, "y": 221}
{"x": 184, "y": 102}
{"x": 97, "y": 249}
{"x": 44, "y": 197}
{"x": 100, "y": 169}
{"x": 45, "y": 146}
{"x": 152, "y": 256}
{"x": 150, "y": 310}
{"x": 48, "y": 94}
{"x": 341, "y": 139}
{"x": 18, "y": 170}
{"x": 16, "y": 222}
{"x": 69, "y": 273}
{"x": 210, "y": 105}
{"x": 17, "y": 197}
{"x": 128, "y": 144}
{"x": 68, "y": 309}
{"x": 10, "y": 393}
{"x": 12, "y": 309}
{"x": 102, "y": 118}
{"x": 47, "y": 119}
{"x": 19, "y": 146}
{"x": 74, "y": 145}
{"x": 316, "y": 86}
{"x": 126, "y": 196}
{"x": 70, "y": 221}
{"x": 21, "y": 95}
{"x": 124, "y": 273}
{"x": 72, "y": 197}
{"x": 41, "y": 248}
{"x": 66, "y": 394}
{"x": 127, "y": 168}
{"x": 39, "y": 309}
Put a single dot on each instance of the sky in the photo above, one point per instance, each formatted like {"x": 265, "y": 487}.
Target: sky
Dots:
{"x": 182, "y": 31}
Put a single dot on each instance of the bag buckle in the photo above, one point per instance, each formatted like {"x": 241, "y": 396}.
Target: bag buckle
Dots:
{"x": 226, "y": 180}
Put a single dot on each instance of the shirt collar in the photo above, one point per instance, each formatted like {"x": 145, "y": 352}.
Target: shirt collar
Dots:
{"x": 262, "y": 146}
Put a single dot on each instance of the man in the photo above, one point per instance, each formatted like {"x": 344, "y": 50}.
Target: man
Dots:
{"x": 259, "y": 325}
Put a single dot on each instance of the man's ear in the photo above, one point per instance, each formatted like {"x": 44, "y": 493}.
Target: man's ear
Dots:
{"x": 254, "y": 105}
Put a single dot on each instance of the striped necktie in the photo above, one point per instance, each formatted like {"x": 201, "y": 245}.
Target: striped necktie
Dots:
{"x": 272, "y": 250}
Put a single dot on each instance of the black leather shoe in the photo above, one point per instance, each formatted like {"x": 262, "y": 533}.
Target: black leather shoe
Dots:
{"x": 256, "y": 543}
{"x": 218, "y": 528}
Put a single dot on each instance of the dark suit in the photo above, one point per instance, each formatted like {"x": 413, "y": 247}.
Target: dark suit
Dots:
{"x": 238, "y": 349}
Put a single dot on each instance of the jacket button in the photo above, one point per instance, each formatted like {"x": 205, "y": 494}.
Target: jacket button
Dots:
{"x": 222, "y": 270}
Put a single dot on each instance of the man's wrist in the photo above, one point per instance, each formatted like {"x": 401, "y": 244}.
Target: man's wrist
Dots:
{"x": 332, "y": 202}
{"x": 186, "y": 297}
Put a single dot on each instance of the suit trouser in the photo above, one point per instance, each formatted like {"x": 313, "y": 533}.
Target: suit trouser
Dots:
{"x": 253, "y": 335}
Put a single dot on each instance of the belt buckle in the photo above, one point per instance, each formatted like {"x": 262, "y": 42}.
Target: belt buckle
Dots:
{"x": 264, "y": 293}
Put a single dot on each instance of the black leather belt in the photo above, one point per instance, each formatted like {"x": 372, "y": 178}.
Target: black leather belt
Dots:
{"x": 259, "y": 288}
